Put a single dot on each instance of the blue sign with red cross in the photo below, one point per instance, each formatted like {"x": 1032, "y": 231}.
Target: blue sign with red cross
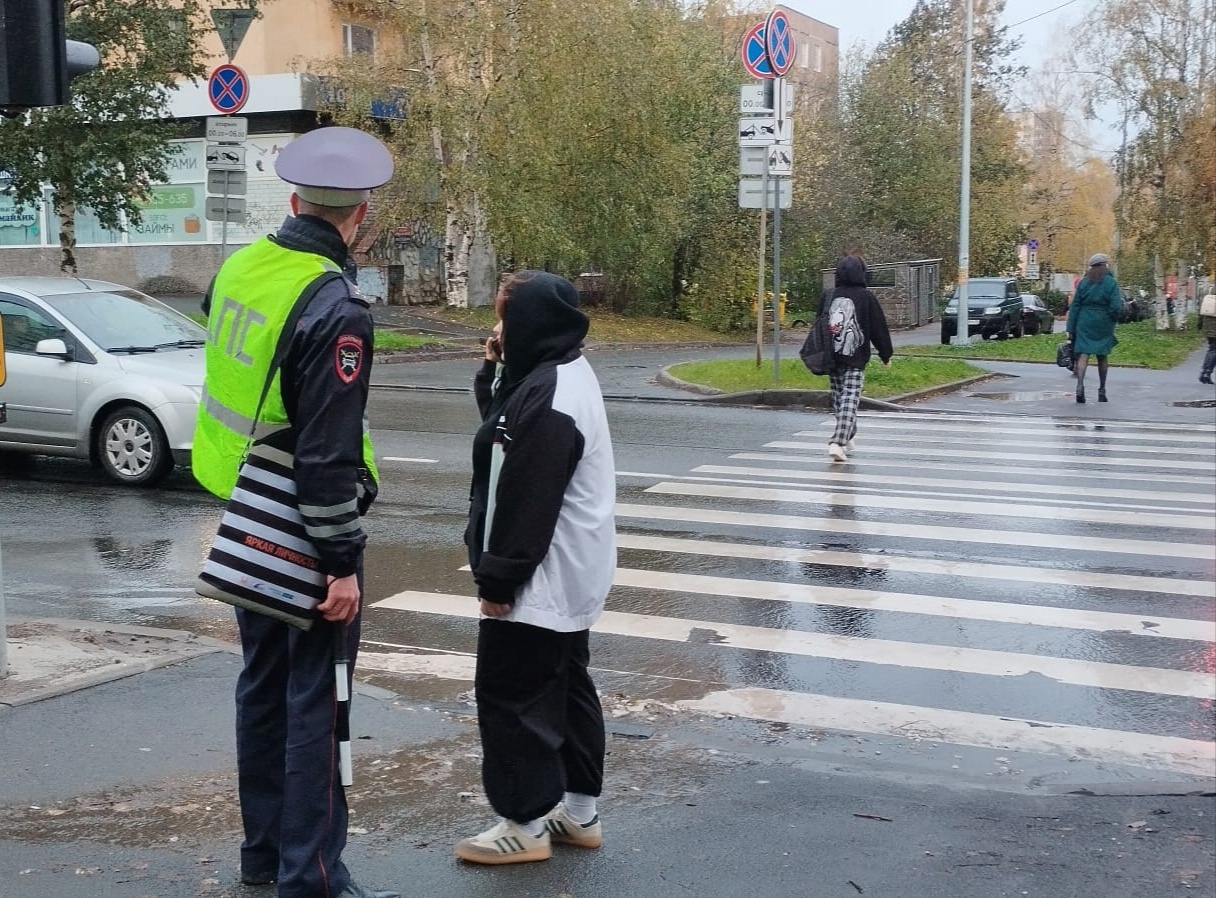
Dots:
{"x": 779, "y": 42}
{"x": 228, "y": 89}
{"x": 755, "y": 53}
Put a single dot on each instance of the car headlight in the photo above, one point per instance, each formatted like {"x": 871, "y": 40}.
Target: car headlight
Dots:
{"x": 953, "y": 307}
{"x": 992, "y": 310}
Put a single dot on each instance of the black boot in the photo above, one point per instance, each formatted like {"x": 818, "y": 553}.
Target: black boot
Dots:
{"x": 1081, "y": 393}
{"x": 1102, "y": 394}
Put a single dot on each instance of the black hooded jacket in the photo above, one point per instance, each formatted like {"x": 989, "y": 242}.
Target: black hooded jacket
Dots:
{"x": 543, "y": 331}
{"x": 851, "y": 282}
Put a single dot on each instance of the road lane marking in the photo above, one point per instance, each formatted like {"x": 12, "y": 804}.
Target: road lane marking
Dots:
{"x": 932, "y": 417}
{"x": 833, "y": 527}
{"x": 420, "y": 461}
{"x": 882, "y": 428}
{"x": 1186, "y": 756}
{"x": 1063, "y": 444}
{"x": 909, "y": 603}
{"x": 945, "y": 506}
{"x": 1070, "y": 477}
{"x": 881, "y": 652}
{"x": 1159, "y": 463}
{"x": 1018, "y": 487}
{"x": 1164, "y": 505}
{"x": 908, "y": 564}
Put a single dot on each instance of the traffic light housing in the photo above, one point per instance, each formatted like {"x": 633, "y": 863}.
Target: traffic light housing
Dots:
{"x": 36, "y": 59}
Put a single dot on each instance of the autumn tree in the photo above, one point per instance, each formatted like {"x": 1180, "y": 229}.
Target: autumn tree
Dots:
{"x": 106, "y": 148}
{"x": 1155, "y": 60}
{"x": 573, "y": 137}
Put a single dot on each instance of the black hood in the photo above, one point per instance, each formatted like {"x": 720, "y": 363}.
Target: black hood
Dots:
{"x": 850, "y": 272}
{"x": 542, "y": 322}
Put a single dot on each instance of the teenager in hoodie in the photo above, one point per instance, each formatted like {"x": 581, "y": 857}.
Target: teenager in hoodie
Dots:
{"x": 542, "y": 547}
{"x": 857, "y": 322}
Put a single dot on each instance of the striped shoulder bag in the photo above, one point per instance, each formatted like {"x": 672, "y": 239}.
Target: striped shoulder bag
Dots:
{"x": 262, "y": 559}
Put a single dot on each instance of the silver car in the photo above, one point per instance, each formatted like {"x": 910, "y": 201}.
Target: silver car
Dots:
{"x": 99, "y": 371}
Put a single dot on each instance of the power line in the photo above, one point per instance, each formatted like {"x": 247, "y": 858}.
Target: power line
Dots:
{"x": 1040, "y": 15}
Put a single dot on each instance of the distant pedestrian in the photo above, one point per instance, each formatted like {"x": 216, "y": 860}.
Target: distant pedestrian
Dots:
{"x": 542, "y": 548}
{"x": 1091, "y": 322}
{"x": 1207, "y": 324}
{"x": 857, "y": 322}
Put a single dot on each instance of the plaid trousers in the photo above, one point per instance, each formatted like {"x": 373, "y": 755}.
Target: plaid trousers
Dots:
{"x": 846, "y": 399}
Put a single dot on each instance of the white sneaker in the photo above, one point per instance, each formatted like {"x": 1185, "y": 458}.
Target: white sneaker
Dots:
{"x": 836, "y": 452}
{"x": 850, "y": 445}
{"x": 563, "y": 828}
{"x": 504, "y": 843}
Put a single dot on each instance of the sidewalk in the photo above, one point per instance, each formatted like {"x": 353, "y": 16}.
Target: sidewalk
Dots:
{"x": 126, "y": 789}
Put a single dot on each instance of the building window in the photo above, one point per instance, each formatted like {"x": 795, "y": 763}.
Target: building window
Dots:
{"x": 817, "y": 57}
{"x": 358, "y": 39}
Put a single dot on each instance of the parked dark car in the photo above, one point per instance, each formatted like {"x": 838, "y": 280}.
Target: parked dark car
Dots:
{"x": 994, "y": 309}
{"x": 1036, "y": 317}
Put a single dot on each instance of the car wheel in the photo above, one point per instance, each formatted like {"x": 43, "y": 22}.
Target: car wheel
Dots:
{"x": 132, "y": 448}
{"x": 1018, "y": 329}
{"x": 1032, "y": 328}
{"x": 1051, "y": 326}
{"x": 945, "y": 339}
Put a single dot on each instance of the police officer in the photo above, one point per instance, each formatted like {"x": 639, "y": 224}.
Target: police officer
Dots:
{"x": 293, "y": 805}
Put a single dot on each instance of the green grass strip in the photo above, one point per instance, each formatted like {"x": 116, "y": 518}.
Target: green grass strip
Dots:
{"x": 1140, "y": 345}
{"x": 742, "y": 375}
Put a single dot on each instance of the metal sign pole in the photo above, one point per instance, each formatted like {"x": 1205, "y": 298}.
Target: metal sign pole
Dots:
{"x": 224, "y": 225}
{"x": 3, "y": 628}
{"x": 962, "y": 337}
{"x": 760, "y": 270}
{"x": 776, "y": 279}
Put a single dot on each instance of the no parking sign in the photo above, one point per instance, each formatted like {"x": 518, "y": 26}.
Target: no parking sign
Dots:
{"x": 228, "y": 89}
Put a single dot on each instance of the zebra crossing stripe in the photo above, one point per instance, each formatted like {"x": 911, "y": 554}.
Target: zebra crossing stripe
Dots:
{"x": 1059, "y": 460}
{"x": 932, "y": 419}
{"x": 974, "y": 535}
{"x": 1068, "y": 478}
{"x": 917, "y": 565}
{"x": 934, "y": 606}
{"x": 947, "y": 506}
{"x": 985, "y": 662}
{"x": 1191, "y": 757}
{"x": 1065, "y": 443}
{"x": 989, "y": 487}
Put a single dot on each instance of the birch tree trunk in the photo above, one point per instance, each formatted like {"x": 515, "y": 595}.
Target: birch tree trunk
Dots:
{"x": 67, "y": 237}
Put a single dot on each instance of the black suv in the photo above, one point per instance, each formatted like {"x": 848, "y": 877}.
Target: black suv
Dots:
{"x": 994, "y": 309}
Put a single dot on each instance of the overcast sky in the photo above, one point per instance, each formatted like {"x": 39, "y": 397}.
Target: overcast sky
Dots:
{"x": 1047, "y": 34}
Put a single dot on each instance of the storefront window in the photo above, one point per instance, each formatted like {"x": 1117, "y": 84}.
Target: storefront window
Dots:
{"x": 19, "y": 225}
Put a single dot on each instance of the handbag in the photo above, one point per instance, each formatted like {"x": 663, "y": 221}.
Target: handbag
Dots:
{"x": 1064, "y": 355}
{"x": 816, "y": 352}
{"x": 261, "y": 558}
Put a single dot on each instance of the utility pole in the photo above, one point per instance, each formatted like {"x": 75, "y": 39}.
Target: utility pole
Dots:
{"x": 961, "y": 337}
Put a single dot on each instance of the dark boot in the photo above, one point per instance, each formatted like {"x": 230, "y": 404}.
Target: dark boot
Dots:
{"x": 1081, "y": 393}
{"x": 1102, "y": 394}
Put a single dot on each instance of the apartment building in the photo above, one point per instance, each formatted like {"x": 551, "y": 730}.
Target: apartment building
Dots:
{"x": 280, "y": 52}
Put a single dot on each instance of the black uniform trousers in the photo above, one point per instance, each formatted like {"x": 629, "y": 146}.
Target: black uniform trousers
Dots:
{"x": 542, "y": 727}
{"x": 293, "y": 804}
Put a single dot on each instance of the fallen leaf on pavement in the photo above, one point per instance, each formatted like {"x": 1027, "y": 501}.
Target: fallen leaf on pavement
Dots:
{"x": 874, "y": 817}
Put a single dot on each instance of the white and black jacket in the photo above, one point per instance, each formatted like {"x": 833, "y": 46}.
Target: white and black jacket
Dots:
{"x": 541, "y": 533}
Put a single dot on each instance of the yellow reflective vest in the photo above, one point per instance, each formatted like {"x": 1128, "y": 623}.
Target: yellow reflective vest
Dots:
{"x": 251, "y": 298}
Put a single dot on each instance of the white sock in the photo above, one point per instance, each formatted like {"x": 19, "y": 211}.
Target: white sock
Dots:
{"x": 581, "y": 808}
{"x": 532, "y": 827}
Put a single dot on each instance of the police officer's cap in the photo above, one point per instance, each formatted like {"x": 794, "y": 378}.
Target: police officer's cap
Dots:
{"x": 335, "y": 166}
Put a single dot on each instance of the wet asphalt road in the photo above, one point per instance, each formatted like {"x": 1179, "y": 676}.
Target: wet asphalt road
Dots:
{"x": 1009, "y": 600}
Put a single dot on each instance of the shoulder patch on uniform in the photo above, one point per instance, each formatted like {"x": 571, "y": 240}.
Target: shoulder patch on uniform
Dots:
{"x": 348, "y": 357}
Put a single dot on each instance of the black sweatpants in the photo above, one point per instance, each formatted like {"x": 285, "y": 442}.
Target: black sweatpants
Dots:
{"x": 542, "y": 727}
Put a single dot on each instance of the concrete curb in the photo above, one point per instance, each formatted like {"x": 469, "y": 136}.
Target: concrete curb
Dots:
{"x": 813, "y": 398}
{"x": 187, "y": 647}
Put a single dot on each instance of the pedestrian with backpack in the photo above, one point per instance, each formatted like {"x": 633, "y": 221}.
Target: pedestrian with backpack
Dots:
{"x": 856, "y": 322}
{"x": 1207, "y": 324}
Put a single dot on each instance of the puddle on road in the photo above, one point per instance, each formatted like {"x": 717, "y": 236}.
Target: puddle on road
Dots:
{"x": 1195, "y": 403}
{"x": 1025, "y": 396}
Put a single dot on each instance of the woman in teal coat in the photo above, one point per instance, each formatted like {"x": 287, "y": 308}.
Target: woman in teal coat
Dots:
{"x": 1091, "y": 322}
